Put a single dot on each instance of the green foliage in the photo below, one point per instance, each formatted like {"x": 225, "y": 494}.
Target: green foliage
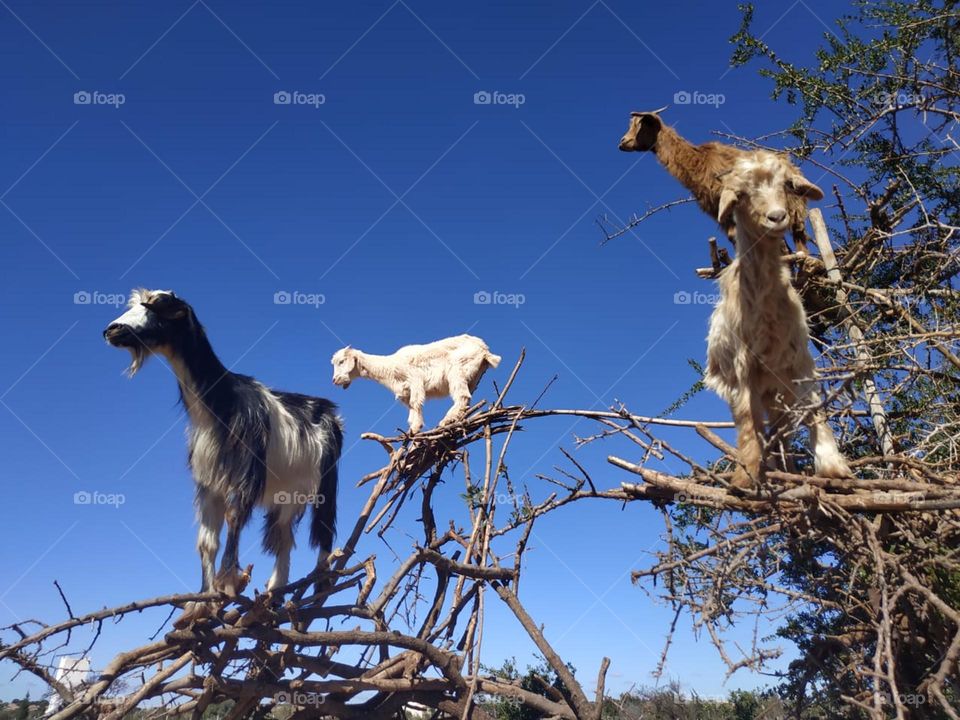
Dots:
{"x": 697, "y": 387}
{"x": 882, "y": 96}
{"x": 669, "y": 703}
{"x": 22, "y": 709}
{"x": 540, "y": 679}
{"x": 218, "y": 711}
{"x": 664, "y": 703}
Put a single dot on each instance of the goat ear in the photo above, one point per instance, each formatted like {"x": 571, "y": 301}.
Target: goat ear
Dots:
{"x": 169, "y": 307}
{"x": 799, "y": 185}
{"x": 728, "y": 198}
{"x": 648, "y": 126}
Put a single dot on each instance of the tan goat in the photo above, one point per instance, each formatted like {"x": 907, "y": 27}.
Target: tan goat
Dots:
{"x": 758, "y": 356}
{"x": 699, "y": 168}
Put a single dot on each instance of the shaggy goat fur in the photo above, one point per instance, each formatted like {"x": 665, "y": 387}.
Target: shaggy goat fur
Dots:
{"x": 248, "y": 444}
{"x": 700, "y": 169}
{"x": 414, "y": 373}
{"x": 758, "y": 356}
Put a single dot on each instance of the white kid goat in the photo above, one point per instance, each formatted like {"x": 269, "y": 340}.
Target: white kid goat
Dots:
{"x": 414, "y": 373}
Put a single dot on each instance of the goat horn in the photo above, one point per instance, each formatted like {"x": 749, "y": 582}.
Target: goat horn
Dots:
{"x": 649, "y": 112}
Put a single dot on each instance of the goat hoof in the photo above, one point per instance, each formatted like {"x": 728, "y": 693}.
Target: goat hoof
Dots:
{"x": 836, "y": 472}
{"x": 323, "y": 583}
{"x": 230, "y": 582}
{"x": 742, "y": 480}
{"x": 273, "y": 599}
{"x": 192, "y": 612}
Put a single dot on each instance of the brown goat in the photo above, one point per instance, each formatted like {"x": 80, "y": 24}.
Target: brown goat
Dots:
{"x": 700, "y": 169}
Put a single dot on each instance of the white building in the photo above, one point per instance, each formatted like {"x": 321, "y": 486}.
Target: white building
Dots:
{"x": 71, "y": 672}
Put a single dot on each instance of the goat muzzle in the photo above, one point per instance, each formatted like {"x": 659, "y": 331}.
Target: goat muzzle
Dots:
{"x": 118, "y": 334}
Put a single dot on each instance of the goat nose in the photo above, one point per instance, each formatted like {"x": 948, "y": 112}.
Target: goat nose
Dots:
{"x": 777, "y": 216}
{"x": 110, "y": 328}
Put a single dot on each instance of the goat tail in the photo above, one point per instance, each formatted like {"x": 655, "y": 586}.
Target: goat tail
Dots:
{"x": 492, "y": 360}
{"x": 323, "y": 523}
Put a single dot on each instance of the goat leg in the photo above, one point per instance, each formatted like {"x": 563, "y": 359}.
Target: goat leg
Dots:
{"x": 748, "y": 417}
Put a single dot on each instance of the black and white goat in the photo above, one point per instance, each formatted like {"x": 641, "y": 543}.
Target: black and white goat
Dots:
{"x": 248, "y": 444}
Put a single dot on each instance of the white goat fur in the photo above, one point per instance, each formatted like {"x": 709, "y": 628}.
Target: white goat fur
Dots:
{"x": 758, "y": 358}
{"x": 451, "y": 367}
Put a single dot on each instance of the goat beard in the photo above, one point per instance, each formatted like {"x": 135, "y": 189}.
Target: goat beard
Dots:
{"x": 138, "y": 355}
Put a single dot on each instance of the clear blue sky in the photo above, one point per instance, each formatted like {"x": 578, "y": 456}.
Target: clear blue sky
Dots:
{"x": 398, "y": 198}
